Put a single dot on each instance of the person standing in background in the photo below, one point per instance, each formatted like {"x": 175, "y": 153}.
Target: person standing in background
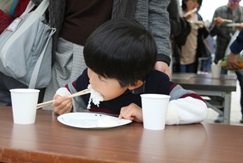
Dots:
{"x": 219, "y": 28}
{"x": 194, "y": 46}
{"x": 236, "y": 47}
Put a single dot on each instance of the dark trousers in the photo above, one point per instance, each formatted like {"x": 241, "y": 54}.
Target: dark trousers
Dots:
{"x": 189, "y": 68}
{"x": 7, "y": 83}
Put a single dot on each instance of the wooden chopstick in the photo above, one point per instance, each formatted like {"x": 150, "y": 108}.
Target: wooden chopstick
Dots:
{"x": 83, "y": 92}
{"x": 40, "y": 105}
{"x": 228, "y": 20}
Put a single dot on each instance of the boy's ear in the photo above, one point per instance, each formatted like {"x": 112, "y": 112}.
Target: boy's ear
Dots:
{"x": 137, "y": 84}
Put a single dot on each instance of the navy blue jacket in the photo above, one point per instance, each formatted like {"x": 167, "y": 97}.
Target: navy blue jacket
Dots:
{"x": 237, "y": 46}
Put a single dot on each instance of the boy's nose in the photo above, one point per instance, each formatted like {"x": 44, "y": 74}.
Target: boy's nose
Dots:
{"x": 91, "y": 80}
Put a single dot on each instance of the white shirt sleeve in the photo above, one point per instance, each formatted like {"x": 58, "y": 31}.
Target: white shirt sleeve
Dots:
{"x": 186, "y": 111}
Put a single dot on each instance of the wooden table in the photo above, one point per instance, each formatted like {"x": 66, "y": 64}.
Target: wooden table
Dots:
{"x": 50, "y": 141}
{"x": 207, "y": 86}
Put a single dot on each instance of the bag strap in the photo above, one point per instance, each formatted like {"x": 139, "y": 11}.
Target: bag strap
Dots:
{"x": 36, "y": 70}
{"x": 40, "y": 9}
{"x": 11, "y": 11}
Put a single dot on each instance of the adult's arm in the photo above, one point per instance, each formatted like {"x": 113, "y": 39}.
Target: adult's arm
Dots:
{"x": 159, "y": 26}
{"x": 213, "y": 28}
{"x": 154, "y": 16}
{"x": 236, "y": 47}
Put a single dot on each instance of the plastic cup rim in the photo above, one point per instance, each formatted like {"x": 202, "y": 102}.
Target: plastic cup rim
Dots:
{"x": 151, "y": 95}
{"x": 24, "y": 90}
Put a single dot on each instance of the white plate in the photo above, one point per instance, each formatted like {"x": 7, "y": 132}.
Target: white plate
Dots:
{"x": 91, "y": 120}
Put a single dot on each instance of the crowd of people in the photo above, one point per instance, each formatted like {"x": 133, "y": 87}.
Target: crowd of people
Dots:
{"x": 199, "y": 45}
{"x": 219, "y": 28}
{"x": 163, "y": 33}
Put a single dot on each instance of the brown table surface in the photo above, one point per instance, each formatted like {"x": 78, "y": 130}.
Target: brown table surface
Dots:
{"x": 50, "y": 141}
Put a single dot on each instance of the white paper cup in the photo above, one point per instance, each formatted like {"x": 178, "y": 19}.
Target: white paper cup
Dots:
{"x": 154, "y": 108}
{"x": 215, "y": 69}
{"x": 24, "y": 105}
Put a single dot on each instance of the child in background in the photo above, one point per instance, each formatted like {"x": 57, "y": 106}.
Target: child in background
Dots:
{"x": 120, "y": 56}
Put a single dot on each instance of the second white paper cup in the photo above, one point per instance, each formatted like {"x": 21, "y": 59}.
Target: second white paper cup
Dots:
{"x": 24, "y": 105}
{"x": 215, "y": 69}
{"x": 154, "y": 108}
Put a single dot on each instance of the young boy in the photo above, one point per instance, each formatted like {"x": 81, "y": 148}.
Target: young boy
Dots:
{"x": 120, "y": 56}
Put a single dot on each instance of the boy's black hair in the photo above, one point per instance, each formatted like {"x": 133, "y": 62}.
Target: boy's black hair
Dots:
{"x": 121, "y": 49}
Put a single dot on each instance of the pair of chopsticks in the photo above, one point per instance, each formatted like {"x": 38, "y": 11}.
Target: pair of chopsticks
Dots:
{"x": 83, "y": 92}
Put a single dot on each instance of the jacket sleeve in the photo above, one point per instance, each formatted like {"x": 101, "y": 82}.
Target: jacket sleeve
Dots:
{"x": 159, "y": 25}
{"x": 185, "y": 107}
{"x": 237, "y": 46}
{"x": 154, "y": 16}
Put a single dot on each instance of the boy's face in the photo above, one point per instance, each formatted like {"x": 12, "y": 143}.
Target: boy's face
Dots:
{"x": 108, "y": 88}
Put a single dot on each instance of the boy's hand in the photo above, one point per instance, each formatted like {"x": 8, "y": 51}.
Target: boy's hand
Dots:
{"x": 131, "y": 112}
{"x": 62, "y": 104}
